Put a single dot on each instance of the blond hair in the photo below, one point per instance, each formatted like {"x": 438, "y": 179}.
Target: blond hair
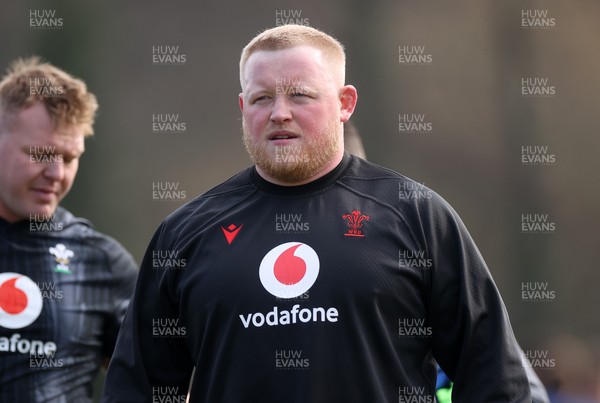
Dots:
{"x": 289, "y": 36}
{"x": 66, "y": 98}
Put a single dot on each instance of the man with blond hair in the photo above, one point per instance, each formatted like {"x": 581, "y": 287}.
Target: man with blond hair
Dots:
{"x": 64, "y": 287}
{"x": 312, "y": 276}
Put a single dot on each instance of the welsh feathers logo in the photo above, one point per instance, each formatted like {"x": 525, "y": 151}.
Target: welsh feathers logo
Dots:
{"x": 63, "y": 256}
{"x": 20, "y": 301}
{"x": 355, "y": 222}
{"x": 289, "y": 270}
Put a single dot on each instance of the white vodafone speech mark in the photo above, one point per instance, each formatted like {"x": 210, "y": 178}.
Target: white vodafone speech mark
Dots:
{"x": 20, "y": 301}
{"x": 298, "y": 266}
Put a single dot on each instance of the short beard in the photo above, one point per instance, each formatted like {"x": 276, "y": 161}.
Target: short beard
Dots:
{"x": 294, "y": 165}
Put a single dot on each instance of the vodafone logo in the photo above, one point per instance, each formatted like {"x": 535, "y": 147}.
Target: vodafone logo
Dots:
{"x": 289, "y": 270}
{"x": 20, "y": 301}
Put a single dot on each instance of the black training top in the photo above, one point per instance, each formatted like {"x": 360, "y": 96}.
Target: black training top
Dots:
{"x": 64, "y": 289}
{"x": 341, "y": 290}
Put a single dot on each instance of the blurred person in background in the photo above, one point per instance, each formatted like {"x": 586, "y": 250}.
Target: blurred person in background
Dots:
{"x": 307, "y": 277}
{"x": 353, "y": 141}
{"x": 64, "y": 287}
{"x": 573, "y": 373}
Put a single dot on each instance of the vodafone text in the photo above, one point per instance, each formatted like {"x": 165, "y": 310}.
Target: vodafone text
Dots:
{"x": 16, "y": 344}
{"x": 276, "y": 317}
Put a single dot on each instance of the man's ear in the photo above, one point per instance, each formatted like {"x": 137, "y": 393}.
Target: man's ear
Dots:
{"x": 241, "y": 101}
{"x": 348, "y": 99}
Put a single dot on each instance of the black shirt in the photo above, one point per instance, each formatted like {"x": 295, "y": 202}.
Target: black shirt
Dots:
{"x": 64, "y": 289}
{"x": 341, "y": 290}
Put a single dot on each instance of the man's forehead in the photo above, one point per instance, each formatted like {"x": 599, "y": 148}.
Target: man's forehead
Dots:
{"x": 304, "y": 62}
{"x": 61, "y": 143}
{"x": 278, "y": 55}
{"x": 68, "y": 138}
{"x": 34, "y": 126}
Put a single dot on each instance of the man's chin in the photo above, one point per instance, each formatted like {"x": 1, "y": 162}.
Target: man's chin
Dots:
{"x": 289, "y": 172}
{"x": 37, "y": 212}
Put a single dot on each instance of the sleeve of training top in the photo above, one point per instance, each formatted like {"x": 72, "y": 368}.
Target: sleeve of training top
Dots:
{"x": 538, "y": 391}
{"x": 123, "y": 270}
{"x": 472, "y": 338}
{"x": 143, "y": 362}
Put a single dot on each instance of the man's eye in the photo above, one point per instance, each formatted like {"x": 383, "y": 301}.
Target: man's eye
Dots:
{"x": 261, "y": 99}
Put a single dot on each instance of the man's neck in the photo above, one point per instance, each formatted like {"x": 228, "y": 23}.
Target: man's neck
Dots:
{"x": 324, "y": 171}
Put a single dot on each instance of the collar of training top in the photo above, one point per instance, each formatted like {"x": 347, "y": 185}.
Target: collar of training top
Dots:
{"x": 317, "y": 185}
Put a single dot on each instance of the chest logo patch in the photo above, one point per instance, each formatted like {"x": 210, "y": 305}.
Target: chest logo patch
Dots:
{"x": 231, "y": 232}
{"x": 20, "y": 301}
{"x": 62, "y": 256}
{"x": 289, "y": 270}
{"x": 355, "y": 221}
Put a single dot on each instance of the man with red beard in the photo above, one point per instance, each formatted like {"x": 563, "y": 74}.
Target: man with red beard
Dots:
{"x": 312, "y": 276}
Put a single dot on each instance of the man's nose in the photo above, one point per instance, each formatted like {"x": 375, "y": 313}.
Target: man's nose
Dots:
{"x": 281, "y": 111}
{"x": 55, "y": 170}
